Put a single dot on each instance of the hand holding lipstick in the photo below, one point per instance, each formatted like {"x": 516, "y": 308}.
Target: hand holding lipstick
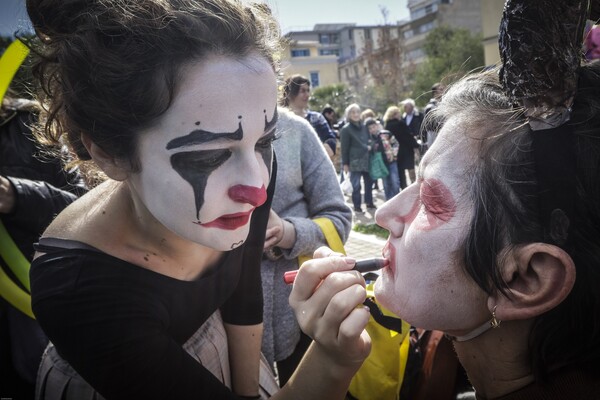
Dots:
{"x": 328, "y": 308}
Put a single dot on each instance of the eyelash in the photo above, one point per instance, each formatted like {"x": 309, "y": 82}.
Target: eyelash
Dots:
{"x": 266, "y": 141}
{"x": 215, "y": 158}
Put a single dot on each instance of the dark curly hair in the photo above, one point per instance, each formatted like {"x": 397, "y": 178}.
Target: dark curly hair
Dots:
{"x": 110, "y": 68}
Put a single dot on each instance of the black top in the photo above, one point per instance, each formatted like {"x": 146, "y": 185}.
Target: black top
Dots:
{"x": 122, "y": 327}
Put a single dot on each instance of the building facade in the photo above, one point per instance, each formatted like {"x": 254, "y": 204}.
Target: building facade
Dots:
{"x": 366, "y": 55}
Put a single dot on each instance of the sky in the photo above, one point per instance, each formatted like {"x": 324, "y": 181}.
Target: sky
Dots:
{"x": 293, "y": 15}
{"x": 297, "y": 15}
{"x": 13, "y": 16}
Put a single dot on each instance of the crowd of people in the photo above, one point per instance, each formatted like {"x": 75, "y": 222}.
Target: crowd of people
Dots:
{"x": 157, "y": 252}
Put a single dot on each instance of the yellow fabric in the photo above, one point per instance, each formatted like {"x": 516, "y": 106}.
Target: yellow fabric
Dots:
{"x": 11, "y": 60}
{"x": 13, "y": 257}
{"x": 16, "y": 296}
{"x": 331, "y": 235}
{"x": 381, "y": 375}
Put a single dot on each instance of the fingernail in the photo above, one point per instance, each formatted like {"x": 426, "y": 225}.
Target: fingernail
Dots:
{"x": 350, "y": 260}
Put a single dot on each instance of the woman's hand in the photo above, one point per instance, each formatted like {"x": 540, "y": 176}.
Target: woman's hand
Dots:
{"x": 280, "y": 232}
{"x": 327, "y": 299}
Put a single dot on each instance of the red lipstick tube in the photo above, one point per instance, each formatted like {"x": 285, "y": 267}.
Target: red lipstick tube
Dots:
{"x": 371, "y": 264}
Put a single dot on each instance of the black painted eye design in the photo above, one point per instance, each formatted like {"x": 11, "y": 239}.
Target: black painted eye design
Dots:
{"x": 266, "y": 141}
{"x": 209, "y": 158}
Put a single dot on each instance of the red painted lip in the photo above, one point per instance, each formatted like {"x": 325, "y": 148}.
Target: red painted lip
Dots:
{"x": 229, "y": 221}
{"x": 389, "y": 253}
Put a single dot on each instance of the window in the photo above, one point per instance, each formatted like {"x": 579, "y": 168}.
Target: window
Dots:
{"x": 355, "y": 71}
{"x": 329, "y": 52}
{"x": 300, "y": 53}
{"x": 367, "y": 34}
{"x": 423, "y": 11}
{"x": 426, "y": 27}
{"x": 314, "y": 79}
{"x": 347, "y": 73}
{"x": 408, "y": 34}
{"x": 329, "y": 38}
{"x": 353, "y": 51}
{"x": 350, "y": 34}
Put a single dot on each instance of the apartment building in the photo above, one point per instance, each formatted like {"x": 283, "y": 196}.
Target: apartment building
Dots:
{"x": 315, "y": 53}
{"x": 345, "y": 47}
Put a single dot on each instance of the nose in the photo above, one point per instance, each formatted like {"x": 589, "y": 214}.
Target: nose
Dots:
{"x": 248, "y": 194}
{"x": 399, "y": 211}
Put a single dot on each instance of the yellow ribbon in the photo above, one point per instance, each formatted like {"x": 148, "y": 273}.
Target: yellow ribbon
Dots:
{"x": 331, "y": 235}
{"x": 11, "y": 60}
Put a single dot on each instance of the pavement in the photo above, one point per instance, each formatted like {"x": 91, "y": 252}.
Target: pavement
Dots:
{"x": 360, "y": 245}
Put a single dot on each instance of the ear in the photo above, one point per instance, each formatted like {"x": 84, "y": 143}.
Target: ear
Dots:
{"x": 539, "y": 277}
{"x": 113, "y": 168}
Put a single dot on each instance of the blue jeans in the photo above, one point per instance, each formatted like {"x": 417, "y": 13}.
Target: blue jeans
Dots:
{"x": 368, "y": 185}
{"x": 391, "y": 183}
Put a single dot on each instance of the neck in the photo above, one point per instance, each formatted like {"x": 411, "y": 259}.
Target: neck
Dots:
{"x": 299, "y": 110}
{"x": 497, "y": 362}
{"x": 146, "y": 242}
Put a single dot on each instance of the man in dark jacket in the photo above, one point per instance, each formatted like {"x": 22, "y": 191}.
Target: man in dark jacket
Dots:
{"x": 33, "y": 189}
{"x": 413, "y": 119}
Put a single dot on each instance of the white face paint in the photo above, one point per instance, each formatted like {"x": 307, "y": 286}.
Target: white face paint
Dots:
{"x": 206, "y": 164}
{"x": 425, "y": 283}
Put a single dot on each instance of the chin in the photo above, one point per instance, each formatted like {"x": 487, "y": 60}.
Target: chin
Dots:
{"x": 385, "y": 296}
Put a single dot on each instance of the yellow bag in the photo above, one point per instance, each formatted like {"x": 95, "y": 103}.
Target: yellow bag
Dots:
{"x": 331, "y": 235}
{"x": 382, "y": 373}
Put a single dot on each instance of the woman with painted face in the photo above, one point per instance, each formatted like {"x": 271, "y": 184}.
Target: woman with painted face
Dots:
{"x": 496, "y": 243}
{"x": 149, "y": 286}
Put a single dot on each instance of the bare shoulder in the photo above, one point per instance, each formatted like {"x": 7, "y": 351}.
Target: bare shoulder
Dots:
{"x": 80, "y": 218}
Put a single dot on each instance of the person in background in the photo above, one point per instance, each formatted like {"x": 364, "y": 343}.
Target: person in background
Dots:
{"x": 391, "y": 183}
{"x": 331, "y": 117}
{"x": 149, "y": 286}
{"x": 296, "y": 93}
{"x": 408, "y": 146}
{"x": 413, "y": 120}
{"x": 354, "y": 139}
{"x": 431, "y": 128}
{"x": 33, "y": 189}
{"x": 375, "y": 144}
{"x": 367, "y": 113}
{"x": 306, "y": 188}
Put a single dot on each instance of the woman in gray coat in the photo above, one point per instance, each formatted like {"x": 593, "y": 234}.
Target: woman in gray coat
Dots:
{"x": 355, "y": 156}
{"x": 306, "y": 188}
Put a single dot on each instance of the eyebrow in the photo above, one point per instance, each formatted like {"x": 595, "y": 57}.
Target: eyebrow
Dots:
{"x": 200, "y": 136}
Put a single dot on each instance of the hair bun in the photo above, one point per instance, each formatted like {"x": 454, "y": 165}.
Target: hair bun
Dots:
{"x": 53, "y": 18}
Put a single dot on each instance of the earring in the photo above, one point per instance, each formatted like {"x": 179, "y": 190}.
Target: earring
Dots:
{"x": 494, "y": 322}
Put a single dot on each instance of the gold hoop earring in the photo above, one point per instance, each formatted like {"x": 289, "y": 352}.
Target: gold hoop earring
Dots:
{"x": 495, "y": 322}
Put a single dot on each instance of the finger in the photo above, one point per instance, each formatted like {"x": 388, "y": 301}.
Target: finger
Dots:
{"x": 325, "y": 251}
{"x": 342, "y": 303}
{"x": 344, "y": 289}
{"x": 270, "y": 242}
{"x": 313, "y": 272}
{"x": 353, "y": 325}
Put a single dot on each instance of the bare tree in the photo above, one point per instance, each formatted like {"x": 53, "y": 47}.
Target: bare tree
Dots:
{"x": 385, "y": 13}
{"x": 384, "y": 62}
